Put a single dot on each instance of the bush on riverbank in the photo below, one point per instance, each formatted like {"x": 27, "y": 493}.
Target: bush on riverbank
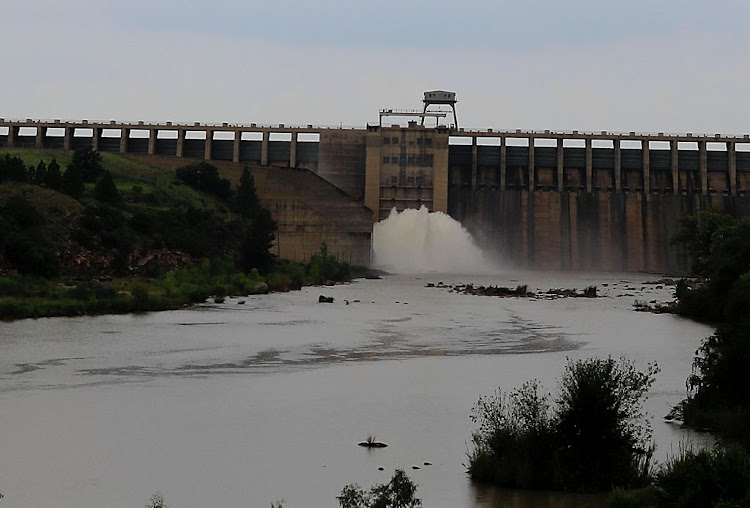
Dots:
{"x": 31, "y": 297}
{"x": 713, "y": 478}
{"x": 718, "y": 397}
{"x": 591, "y": 438}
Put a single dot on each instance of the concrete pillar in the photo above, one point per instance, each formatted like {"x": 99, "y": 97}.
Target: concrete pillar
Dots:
{"x": 703, "y": 166}
{"x": 264, "y": 151}
{"x": 646, "y": 165}
{"x": 209, "y": 141}
{"x": 68, "y": 138}
{"x": 236, "y": 146}
{"x": 180, "y": 143}
{"x": 39, "y": 141}
{"x": 124, "y": 134}
{"x": 373, "y": 161}
{"x": 12, "y": 134}
{"x": 440, "y": 174}
{"x": 474, "y": 183}
{"x": 674, "y": 165}
{"x": 732, "y": 167}
{"x": 618, "y": 165}
{"x": 97, "y": 133}
{"x": 589, "y": 166}
{"x": 152, "y": 134}
{"x": 503, "y": 161}
{"x": 560, "y": 166}
{"x": 293, "y": 151}
{"x": 532, "y": 166}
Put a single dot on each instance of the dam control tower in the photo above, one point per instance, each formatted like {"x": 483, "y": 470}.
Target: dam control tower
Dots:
{"x": 439, "y": 98}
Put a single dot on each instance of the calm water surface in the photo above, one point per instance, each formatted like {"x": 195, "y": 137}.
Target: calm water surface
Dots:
{"x": 242, "y": 405}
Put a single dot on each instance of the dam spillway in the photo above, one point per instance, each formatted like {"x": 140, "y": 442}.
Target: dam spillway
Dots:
{"x": 537, "y": 199}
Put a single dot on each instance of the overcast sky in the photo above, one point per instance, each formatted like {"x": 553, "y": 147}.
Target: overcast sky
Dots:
{"x": 673, "y": 66}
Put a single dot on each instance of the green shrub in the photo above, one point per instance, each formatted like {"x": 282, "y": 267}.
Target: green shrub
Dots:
{"x": 397, "y": 493}
{"x": 105, "y": 189}
{"x": 646, "y": 497}
{"x": 280, "y": 282}
{"x": 32, "y": 253}
{"x": 706, "y": 478}
{"x": 324, "y": 266}
{"x": 11, "y": 286}
{"x": 592, "y": 438}
{"x": 514, "y": 436}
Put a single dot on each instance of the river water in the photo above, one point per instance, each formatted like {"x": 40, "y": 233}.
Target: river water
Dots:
{"x": 242, "y": 405}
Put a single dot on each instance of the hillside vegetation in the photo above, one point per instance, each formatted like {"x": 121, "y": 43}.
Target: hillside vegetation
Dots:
{"x": 85, "y": 232}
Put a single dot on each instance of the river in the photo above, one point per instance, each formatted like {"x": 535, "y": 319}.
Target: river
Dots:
{"x": 242, "y": 405}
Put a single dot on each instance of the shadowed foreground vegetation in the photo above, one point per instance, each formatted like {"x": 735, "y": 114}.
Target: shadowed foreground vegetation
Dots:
{"x": 718, "y": 395}
{"x": 399, "y": 492}
{"x": 719, "y": 398}
{"x": 590, "y": 438}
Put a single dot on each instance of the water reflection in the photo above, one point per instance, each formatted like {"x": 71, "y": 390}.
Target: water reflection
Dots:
{"x": 491, "y": 497}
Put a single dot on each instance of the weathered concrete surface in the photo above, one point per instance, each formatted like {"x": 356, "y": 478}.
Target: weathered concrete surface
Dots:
{"x": 341, "y": 160}
{"x": 307, "y": 209}
{"x": 583, "y": 231}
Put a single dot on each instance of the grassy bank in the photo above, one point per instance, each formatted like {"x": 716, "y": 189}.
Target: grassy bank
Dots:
{"x": 33, "y": 297}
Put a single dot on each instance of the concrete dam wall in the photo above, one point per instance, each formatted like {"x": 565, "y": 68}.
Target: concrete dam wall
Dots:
{"x": 592, "y": 208}
{"x": 601, "y": 231}
{"x": 535, "y": 199}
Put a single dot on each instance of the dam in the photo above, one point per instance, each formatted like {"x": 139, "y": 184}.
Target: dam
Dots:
{"x": 534, "y": 199}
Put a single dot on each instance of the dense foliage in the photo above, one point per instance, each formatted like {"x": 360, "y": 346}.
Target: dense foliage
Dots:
{"x": 124, "y": 226}
{"x": 719, "y": 397}
{"x": 88, "y": 163}
{"x": 592, "y": 437}
{"x": 24, "y": 241}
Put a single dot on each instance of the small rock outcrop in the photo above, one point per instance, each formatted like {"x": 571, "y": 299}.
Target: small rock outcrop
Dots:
{"x": 325, "y": 299}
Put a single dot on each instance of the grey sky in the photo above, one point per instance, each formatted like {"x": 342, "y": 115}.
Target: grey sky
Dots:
{"x": 672, "y": 66}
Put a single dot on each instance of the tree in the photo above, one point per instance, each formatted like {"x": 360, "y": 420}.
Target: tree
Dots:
{"x": 254, "y": 251}
{"x": 88, "y": 162}
{"x": 699, "y": 233}
{"x": 32, "y": 253}
{"x": 324, "y": 266}
{"x": 598, "y": 416}
{"x": 204, "y": 177}
{"x": 72, "y": 181}
{"x": 246, "y": 196}
{"x": 40, "y": 175}
{"x": 26, "y": 245}
{"x": 53, "y": 179}
{"x": 13, "y": 169}
{"x": 105, "y": 189}
{"x": 592, "y": 438}
{"x": 398, "y": 493}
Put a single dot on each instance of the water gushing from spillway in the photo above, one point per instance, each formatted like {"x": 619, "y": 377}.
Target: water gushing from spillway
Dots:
{"x": 419, "y": 241}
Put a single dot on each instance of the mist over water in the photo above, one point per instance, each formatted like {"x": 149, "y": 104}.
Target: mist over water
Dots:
{"x": 420, "y": 241}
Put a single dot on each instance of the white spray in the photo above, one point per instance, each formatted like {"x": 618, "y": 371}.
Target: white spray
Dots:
{"x": 417, "y": 241}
